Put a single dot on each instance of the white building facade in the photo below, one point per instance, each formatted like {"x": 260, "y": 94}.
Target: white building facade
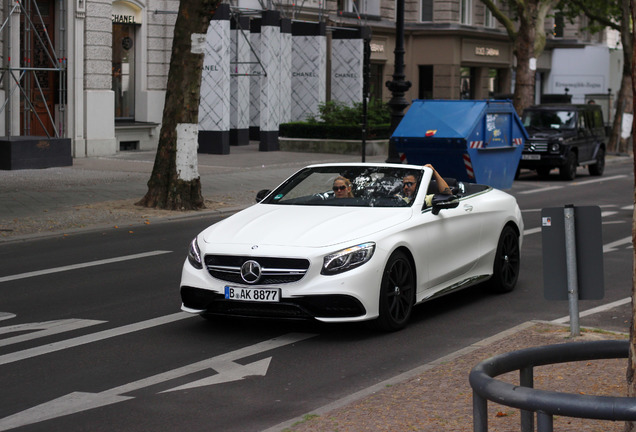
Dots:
{"x": 95, "y": 71}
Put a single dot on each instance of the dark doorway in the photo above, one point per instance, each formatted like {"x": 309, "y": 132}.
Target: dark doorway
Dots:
{"x": 38, "y": 59}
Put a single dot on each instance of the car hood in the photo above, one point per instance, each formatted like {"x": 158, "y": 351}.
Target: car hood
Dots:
{"x": 303, "y": 226}
{"x": 534, "y": 133}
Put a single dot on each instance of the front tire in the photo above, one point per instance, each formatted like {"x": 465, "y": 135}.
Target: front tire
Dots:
{"x": 397, "y": 293}
{"x": 507, "y": 262}
{"x": 568, "y": 171}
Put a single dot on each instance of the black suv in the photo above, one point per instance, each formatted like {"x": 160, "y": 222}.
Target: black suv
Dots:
{"x": 564, "y": 136}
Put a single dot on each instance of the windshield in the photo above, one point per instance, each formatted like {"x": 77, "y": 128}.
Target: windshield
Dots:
{"x": 550, "y": 119}
{"x": 358, "y": 186}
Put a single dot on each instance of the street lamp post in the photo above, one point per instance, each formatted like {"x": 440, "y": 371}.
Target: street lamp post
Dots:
{"x": 398, "y": 86}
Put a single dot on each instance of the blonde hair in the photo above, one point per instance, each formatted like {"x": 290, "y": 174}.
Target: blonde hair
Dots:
{"x": 347, "y": 183}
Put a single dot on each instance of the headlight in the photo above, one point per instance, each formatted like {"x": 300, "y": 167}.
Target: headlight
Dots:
{"x": 347, "y": 259}
{"x": 555, "y": 148}
{"x": 194, "y": 255}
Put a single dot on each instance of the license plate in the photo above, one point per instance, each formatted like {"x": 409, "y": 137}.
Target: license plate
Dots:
{"x": 530, "y": 157}
{"x": 252, "y": 294}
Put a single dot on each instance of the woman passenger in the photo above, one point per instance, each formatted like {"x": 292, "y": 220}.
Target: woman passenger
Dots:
{"x": 342, "y": 187}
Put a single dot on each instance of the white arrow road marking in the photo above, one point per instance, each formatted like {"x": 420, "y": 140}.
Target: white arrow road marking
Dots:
{"x": 82, "y": 265}
{"x": 90, "y": 338}
{"x": 46, "y": 328}
{"x": 228, "y": 371}
{"x": 611, "y": 247}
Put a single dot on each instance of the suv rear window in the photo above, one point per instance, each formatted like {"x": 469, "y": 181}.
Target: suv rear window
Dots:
{"x": 550, "y": 119}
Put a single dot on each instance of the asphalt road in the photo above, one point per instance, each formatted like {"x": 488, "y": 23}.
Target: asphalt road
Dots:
{"x": 91, "y": 337}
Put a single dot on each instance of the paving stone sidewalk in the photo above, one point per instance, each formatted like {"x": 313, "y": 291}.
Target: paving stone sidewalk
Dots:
{"x": 101, "y": 191}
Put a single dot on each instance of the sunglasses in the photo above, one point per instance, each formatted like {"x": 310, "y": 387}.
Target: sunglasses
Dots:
{"x": 408, "y": 184}
{"x": 339, "y": 188}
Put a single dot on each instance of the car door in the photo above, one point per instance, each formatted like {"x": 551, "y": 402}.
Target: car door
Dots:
{"x": 453, "y": 243}
{"x": 588, "y": 142}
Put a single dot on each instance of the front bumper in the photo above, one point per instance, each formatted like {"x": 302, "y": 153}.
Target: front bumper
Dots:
{"x": 546, "y": 161}
{"x": 329, "y": 306}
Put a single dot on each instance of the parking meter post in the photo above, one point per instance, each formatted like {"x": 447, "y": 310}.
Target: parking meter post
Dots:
{"x": 572, "y": 277}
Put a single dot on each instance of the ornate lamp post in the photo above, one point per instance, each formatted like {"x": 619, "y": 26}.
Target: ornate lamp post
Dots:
{"x": 398, "y": 86}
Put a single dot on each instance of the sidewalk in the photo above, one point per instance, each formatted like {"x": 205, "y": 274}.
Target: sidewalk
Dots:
{"x": 100, "y": 192}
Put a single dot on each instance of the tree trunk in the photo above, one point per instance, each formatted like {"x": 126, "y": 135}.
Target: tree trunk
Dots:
{"x": 630, "y": 426}
{"x": 175, "y": 183}
{"x": 524, "y": 51}
{"x": 624, "y": 100}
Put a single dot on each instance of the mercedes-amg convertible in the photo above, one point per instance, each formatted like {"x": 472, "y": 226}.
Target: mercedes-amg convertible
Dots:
{"x": 340, "y": 243}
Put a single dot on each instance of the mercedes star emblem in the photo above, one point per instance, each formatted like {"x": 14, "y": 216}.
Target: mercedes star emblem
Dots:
{"x": 251, "y": 271}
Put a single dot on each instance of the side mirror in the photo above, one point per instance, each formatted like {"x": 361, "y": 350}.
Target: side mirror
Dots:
{"x": 441, "y": 202}
{"x": 261, "y": 194}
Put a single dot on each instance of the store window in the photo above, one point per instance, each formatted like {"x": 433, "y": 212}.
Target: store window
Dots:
{"x": 425, "y": 82}
{"x": 493, "y": 83}
{"x": 376, "y": 81}
{"x": 466, "y": 83}
{"x": 124, "y": 70}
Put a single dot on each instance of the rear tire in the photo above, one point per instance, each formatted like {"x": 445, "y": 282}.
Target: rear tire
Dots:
{"x": 507, "y": 262}
{"x": 397, "y": 293}
{"x": 598, "y": 168}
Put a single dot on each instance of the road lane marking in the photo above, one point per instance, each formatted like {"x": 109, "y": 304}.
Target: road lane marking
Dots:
{"x": 82, "y": 265}
{"x": 93, "y": 337}
{"x": 543, "y": 189}
{"x": 224, "y": 364}
{"x": 46, "y": 328}
{"x": 598, "y": 309}
{"x": 611, "y": 247}
{"x": 531, "y": 231}
{"x": 597, "y": 180}
{"x": 582, "y": 183}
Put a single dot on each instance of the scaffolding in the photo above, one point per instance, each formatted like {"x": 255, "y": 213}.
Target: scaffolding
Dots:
{"x": 31, "y": 68}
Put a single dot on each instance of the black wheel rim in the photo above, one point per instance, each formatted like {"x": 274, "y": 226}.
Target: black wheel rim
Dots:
{"x": 399, "y": 291}
{"x": 509, "y": 259}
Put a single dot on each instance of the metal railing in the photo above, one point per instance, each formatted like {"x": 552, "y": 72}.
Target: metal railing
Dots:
{"x": 546, "y": 404}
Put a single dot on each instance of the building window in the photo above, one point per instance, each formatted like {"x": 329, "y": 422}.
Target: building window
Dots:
{"x": 359, "y": 7}
{"x": 427, "y": 10}
{"x": 489, "y": 20}
{"x": 559, "y": 24}
{"x": 425, "y": 82}
{"x": 124, "y": 71}
{"x": 465, "y": 11}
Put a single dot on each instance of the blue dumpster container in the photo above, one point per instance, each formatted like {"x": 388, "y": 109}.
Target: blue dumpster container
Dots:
{"x": 478, "y": 141}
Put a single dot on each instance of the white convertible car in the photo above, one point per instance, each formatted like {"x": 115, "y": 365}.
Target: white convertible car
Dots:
{"x": 306, "y": 252}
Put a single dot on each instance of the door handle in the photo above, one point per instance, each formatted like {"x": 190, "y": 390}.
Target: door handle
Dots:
{"x": 468, "y": 208}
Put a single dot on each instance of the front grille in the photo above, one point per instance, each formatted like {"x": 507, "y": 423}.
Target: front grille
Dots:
{"x": 324, "y": 306}
{"x": 535, "y": 146}
{"x": 275, "y": 271}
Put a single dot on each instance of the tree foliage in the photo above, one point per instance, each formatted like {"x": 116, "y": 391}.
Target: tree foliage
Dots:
{"x": 614, "y": 14}
{"x": 524, "y": 21}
